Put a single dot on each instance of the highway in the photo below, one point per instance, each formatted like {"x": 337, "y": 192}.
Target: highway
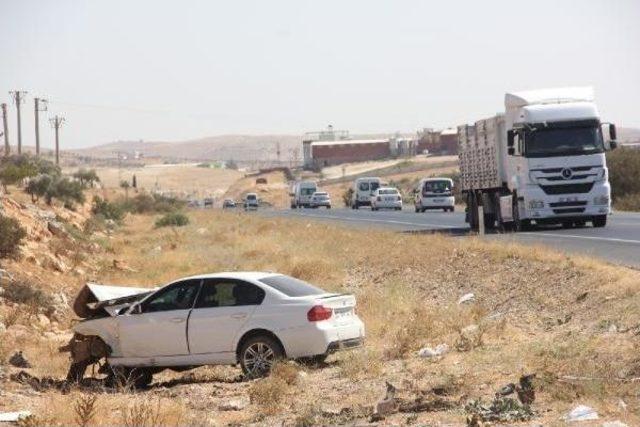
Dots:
{"x": 618, "y": 242}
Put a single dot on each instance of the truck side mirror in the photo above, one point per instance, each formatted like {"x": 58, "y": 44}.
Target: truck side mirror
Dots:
{"x": 612, "y": 136}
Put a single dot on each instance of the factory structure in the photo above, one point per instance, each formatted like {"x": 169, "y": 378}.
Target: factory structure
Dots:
{"x": 331, "y": 147}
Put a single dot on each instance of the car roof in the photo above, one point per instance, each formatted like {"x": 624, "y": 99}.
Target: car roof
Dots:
{"x": 443, "y": 178}
{"x": 370, "y": 178}
{"x": 240, "y": 275}
{"x": 386, "y": 188}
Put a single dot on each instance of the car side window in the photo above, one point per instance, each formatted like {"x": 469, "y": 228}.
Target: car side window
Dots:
{"x": 364, "y": 186}
{"x": 229, "y": 293}
{"x": 179, "y": 296}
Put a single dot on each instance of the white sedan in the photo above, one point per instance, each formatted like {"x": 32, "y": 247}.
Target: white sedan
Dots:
{"x": 386, "y": 198}
{"x": 250, "y": 318}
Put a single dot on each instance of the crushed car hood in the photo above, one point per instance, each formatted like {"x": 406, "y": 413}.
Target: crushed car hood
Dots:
{"x": 96, "y": 300}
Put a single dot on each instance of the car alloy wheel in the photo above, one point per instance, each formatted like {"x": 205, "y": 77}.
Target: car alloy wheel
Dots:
{"x": 258, "y": 358}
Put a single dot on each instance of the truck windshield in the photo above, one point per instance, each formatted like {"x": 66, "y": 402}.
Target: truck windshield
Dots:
{"x": 551, "y": 142}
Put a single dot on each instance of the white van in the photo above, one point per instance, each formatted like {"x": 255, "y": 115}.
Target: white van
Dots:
{"x": 363, "y": 189}
{"x": 434, "y": 193}
{"x": 301, "y": 194}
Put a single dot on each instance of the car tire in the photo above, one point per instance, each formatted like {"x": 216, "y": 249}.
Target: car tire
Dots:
{"x": 599, "y": 221}
{"x": 258, "y": 354}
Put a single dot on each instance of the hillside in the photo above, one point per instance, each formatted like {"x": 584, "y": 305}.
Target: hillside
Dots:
{"x": 572, "y": 322}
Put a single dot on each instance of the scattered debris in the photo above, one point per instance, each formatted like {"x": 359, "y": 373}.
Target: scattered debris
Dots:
{"x": 470, "y": 297}
{"x": 19, "y": 361}
{"x": 501, "y": 409}
{"x": 429, "y": 352}
{"x": 234, "y": 405}
{"x": 581, "y": 413}
{"x": 13, "y": 417}
{"x": 616, "y": 423}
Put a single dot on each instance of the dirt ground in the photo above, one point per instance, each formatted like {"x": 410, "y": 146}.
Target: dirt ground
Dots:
{"x": 573, "y": 322}
{"x": 187, "y": 179}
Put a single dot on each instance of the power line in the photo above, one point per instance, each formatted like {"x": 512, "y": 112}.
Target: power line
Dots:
{"x": 40, "y": 104}
{"x": 5, "y": 124}
{"x": 56, "y": 122}
{"x": 18, "y": 99}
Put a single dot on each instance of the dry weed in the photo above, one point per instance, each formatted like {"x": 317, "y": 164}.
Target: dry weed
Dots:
{"x": 85, "y": 409}
{"x": 269, "y": 393}
{"x": 362, "y": 363}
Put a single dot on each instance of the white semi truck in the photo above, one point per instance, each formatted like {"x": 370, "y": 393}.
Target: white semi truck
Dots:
{"x": 542, "y": 161}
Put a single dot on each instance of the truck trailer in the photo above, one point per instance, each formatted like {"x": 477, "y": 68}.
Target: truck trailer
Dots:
{"x": 542, "y": 161}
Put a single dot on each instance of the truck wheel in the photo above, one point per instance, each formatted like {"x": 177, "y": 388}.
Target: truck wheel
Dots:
{"x": 356, "y": 206}
{"x": 472, "y": 205}
{"x": 489, "y": 221}
{"x": 258, "y": 354}
{"x": 599, "y": 221}
{"x": 519, "y": 224}
{"x": 452, "y": 209}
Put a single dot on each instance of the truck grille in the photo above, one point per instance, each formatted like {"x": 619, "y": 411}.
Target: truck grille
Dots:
{"x": 567, "y": 188}
{"x": 567, "y": 204}
{"x": 568, "y": 211}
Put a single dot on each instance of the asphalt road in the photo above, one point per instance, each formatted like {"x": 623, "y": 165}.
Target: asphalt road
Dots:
{"x": 618, "y": 242}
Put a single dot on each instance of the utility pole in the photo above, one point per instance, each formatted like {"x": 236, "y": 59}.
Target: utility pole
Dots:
{"x": 56, "y": 122}
{"x": 18, "y": 99}
{"x": 39, "y": 107}
{"x": 6, "y": 129}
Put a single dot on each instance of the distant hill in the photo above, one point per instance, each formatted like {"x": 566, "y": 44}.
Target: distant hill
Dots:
{"x": 222, "y": 147}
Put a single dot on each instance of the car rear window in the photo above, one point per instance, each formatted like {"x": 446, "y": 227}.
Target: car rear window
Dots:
{"x": 291, "y": 287}
{"x": 388, "y": 191}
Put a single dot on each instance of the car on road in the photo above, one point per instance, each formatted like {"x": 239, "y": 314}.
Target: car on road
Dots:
{"x": 434, "y": 193}
{"x": 208, "y": 202}
{"x": 251, "y": 202}
{"x": 386, "y": 198}
{"x": 363, "y": 189}
{"x": 246, "y": 318}
{"x": 228, "y": 204}
{"x": 320, "y": 199}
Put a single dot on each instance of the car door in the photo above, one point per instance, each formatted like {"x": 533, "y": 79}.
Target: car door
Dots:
{"x": 222, "y": 309}
{"x": 159, "y": 327}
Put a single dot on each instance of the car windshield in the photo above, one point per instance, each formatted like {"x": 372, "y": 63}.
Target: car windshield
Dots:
{"x": 292, "y": 287}
{"x": 551, "y": 142}
{"x": 251, "y": 197}
{"x": 307, "y": 191}
{"x": 437, "y": 186}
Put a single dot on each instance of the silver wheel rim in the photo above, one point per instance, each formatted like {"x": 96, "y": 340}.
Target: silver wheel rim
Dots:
{"x": 258, "y": 358}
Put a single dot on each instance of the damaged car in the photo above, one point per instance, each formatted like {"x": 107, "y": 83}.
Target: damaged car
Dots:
{"x": 246, "y": 318}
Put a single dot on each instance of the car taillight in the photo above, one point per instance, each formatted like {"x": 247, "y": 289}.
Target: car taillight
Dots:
{"x": 318, "y": 313}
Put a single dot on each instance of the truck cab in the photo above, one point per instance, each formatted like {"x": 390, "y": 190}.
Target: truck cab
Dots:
{"x": 541, "y": 162}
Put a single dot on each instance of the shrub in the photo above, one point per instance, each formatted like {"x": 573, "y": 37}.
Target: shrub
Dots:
{"x": 346, "y": 197}
{"x": 172, "y": 219}
{"x": 624, "y": 169}
{"x": 14, "y": 169}
{"x": 145, "y": 203}
{"x": 268, "y": 393}
{"x": 107, "y": 210}
{"x": 21, "y": 292}
{"x": 11, "y": 235}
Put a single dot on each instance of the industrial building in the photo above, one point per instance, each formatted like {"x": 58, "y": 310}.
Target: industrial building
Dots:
{"x": 435, "y": 142}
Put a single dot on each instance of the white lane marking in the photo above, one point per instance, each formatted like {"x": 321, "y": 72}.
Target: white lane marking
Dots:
{"x": 573, "y": 236}
{"x": 389, "y": 221}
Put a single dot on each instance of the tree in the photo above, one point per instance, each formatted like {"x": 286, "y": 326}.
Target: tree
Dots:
{"x": 86, "y": 177}
{"x": 38, "y": 187}
{"x": 65, "y": 190}
{"x": 134, "y": 182}
{"x": 125, "y": 184}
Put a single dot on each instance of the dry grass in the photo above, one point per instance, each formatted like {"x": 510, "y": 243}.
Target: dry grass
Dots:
{"x": 536, "y": 311}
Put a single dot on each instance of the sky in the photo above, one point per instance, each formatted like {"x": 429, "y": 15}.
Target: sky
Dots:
{"x": 168, "y": 70}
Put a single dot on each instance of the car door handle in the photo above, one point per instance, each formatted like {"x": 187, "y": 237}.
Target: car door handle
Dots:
{"x": 177, "y": 320}
{"x": 239, "y": 315}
